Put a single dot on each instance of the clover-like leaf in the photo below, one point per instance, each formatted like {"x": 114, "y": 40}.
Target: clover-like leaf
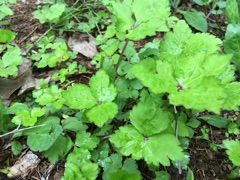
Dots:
{"x": 25, "y": 115}
{"x": 96, "y": 98}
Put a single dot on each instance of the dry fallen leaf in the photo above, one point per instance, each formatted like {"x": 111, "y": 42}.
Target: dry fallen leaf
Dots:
{"x": 83, "y": 45}
{"x": 23, "y": 81}
{"x": 24, "y": 165}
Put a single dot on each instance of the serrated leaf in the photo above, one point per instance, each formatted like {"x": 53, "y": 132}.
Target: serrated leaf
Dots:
{"x": 100, "y": 114}
{"x": 233, "y": 151}
{"x": 49, "y": 14}
{"x": 233, "y": 94}
{"x": 79, "y": 166}
{"x": 152, "y": 149}
{"x": 97, "y": 98}
{"x": 190, "y": 69}
{"x": 110, "y": 47}
{"x": 49, "y": 96}
{"x": 59, "y": 149}
{"x": 24, "y": 115}
{"x": 130, "y": 15}
{"x": 86, "y": 141}
{"x": 79, "y": 96}
{"x": 9, "y": 61}
{"x": 148, "y": 117}
{"x": 213, "y": 96}
{"x": 145, "y": 72}
{"x": 101, "y": 87}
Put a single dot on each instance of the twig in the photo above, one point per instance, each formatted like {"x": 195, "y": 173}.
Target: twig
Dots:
{"x": 19, "y": 130}
{"x": 44, "y": 34}
{"x": 22, "y": 40}
{"x": 121, "y": 55}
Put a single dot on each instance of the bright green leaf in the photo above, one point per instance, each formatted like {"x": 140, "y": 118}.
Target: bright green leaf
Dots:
{"x": 154, "y": 149}
{"x": 148, "y": 117}
{"x": 6, "y": 36}
{"x": 79, "y": 96}
{"x": 233, "y": 151}
{"x": 100, "y": 114}
{"x": 50, "y": 14}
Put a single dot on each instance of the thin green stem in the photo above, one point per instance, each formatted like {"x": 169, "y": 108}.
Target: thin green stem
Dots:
{"x": 121, "y": 55}
{"x": 176, "y": 121}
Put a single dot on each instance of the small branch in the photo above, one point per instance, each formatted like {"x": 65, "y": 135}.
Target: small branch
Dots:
{"x": 121, "y": 55}
{"x": 26, "y": 37}
{"x": 19, "y": 130}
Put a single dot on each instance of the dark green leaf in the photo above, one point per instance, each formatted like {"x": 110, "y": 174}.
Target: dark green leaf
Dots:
{"x": 232, "y": 11}
{"x": 216, "y": 121}
{"x": 196, "y": 19}
{"x": 16, "y": 147}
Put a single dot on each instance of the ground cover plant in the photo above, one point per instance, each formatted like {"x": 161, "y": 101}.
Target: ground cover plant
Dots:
{"x": 119, "y": 89}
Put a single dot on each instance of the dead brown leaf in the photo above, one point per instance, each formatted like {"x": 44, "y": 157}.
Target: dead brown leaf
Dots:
{"x": 83, "y": 45}
{"x": 23, "y": 81}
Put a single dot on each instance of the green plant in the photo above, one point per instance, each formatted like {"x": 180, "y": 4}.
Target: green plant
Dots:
{"x": 10, "y": 61}
{"x": 6, "y": 36}
{"x": 62, "y": 74}
{"x": 24, "y": 115}
{"x": 49, "y": 96}
{"x": 133, "y": 22}
{"x": 96, "y": 98}
{"x": 233, "y": 151}
{"x": 5, "y": 10}
{"x": 51, "y": 52}
{"x": 79, "y": 164}
{"x": 50, "y": 14}
{"x": 186, "y": 69}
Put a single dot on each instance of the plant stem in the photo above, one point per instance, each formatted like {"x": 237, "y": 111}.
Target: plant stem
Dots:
{"x": 121, "y": 55}
{"x": 176, "y": 121}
